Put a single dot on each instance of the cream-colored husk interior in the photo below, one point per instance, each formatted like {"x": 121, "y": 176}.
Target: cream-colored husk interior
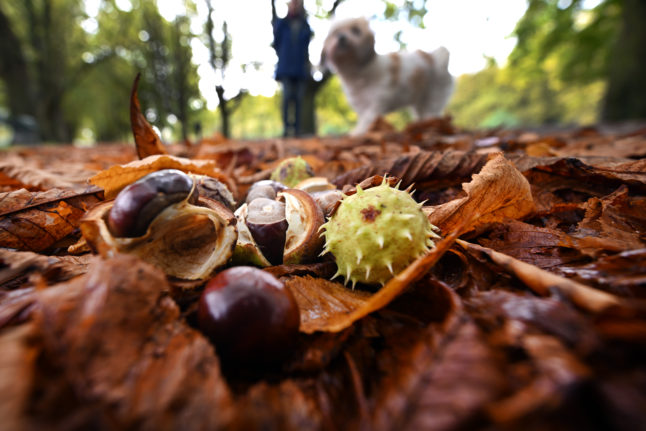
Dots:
{"x": 296, "y": 215}
{"x": 186, "y": 241}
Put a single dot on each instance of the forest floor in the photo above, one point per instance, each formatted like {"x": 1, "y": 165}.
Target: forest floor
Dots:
{"x": 529, "y": 312}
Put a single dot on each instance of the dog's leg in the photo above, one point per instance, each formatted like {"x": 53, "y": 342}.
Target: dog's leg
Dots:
{"x": 437, "y": 98}
{"x": 365, "y": 121}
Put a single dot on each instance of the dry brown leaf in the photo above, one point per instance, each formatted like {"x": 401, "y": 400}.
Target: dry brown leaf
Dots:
{"x": 542, "y": 282}
{"x": 114, "y": 179}
{"x": 16, "y": 362}
{"x": 425, "y": 166}
{"x": 613, "y": 223}
{"x": 540, "y": 246}
{"x": 36, "y": 221}
{"x": 559, "y": 370}
{"x": 146, "y": 139}
{"x": 447, "y": 385}
{"x": 623, "y": 274}
{"x": 35, "y": 178}
{"x": 320, "y": 300}
{"x": 142, "y": 366}
{"x": 50, "y": 269}
{"x": 355, "y": 306}
{"x": 497, "y": 193}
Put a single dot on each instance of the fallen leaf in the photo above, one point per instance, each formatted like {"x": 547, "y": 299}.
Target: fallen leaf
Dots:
{"x": 559, "y": 372}
{"x": 36, "y": 221}
{"x": 48, "y": 269}
{"x": 114, "y": 179}
{"x": 28, "y": 175}
{"x": 108, "y": 337}
{"x": 16, "y": 376}
{"x": 623, "y": 274}
{"x": 543, "y": 282}
{"x": 355, "y": 306}
{"x": 421, "y": 168}
{"x": 320, "y": 301}
{"x": 147, "y": 141}
{"x": 499, "y": 192}
{"x": 540, "y": 246}
{"x": 613, "y": 223}
{"x": 446, "y": 384}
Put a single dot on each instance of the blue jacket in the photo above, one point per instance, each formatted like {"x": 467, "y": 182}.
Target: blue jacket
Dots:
{"x": 292, "y": 50}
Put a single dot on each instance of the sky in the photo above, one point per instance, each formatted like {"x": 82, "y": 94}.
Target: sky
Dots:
{"x": 472, "y": 30}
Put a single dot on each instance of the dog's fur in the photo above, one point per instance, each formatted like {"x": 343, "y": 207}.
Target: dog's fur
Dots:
{"x": 378, "y": 84}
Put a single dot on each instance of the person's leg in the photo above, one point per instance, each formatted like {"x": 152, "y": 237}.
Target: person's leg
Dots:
{"x": 288, "y": 90}
{"x": 299, "y": 94}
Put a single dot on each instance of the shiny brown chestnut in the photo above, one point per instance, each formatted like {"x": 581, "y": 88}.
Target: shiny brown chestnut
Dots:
{"x": 140, "y": 202}
{"x": 188, "y": 239}
{"x": 327, "y": 200}
{"x": 302, "y": 241}
{"x": 215, "y": 189}
{"x": 249, "y": 315}
{"x": 264, "y": 189}
{"x": 268, "y": 226}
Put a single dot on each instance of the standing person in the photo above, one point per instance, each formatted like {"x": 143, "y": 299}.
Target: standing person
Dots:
{"x": 292, "y": 36}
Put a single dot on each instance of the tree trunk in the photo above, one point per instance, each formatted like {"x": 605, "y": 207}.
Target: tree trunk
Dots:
{"x": 223, "y": 107}
{"x": 625, "y": 97}
{"x": 14, "y": 71}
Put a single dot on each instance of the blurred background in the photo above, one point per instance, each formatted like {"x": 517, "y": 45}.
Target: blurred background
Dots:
{"x": 67, "y": 66}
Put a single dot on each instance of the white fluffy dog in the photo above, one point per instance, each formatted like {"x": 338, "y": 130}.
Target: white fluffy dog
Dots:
{"x": 378, "y": 84}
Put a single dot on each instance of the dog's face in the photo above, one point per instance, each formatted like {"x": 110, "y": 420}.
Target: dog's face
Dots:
{"x": 350, "y": 43}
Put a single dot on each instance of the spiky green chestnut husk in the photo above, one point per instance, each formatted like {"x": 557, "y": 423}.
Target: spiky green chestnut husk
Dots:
{"x": 292, "y": 171}
{"x": 376, "y": 233}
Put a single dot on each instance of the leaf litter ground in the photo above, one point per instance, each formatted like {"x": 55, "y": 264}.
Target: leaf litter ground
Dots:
{"x": 529, "y": 314}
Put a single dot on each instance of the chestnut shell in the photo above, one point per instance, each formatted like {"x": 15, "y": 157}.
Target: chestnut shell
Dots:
{"x": 186, "y": 241}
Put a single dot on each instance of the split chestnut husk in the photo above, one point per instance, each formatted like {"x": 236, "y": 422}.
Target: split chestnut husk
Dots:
{"x": 301, "y": 239}
{"x": 187, "y": 241}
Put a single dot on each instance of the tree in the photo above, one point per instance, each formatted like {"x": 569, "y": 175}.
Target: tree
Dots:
{"x": 582, "y": 45}
{"x": 219, "y": 56}
{"x": 41, "y": 44}
{"x": 626, "y": 95}
{"x": 68, "y": 78}
{"x": 168, "y": 68}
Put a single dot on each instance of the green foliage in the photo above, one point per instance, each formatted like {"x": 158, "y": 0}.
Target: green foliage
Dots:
{"x": 82, "y": 79}
{"x": 334, "y": 114}
{"x": 577, "y": 41}
{"x": 257, "y": 117}
{"x": 498, "y": 97}
{"x": 556, "y": 73}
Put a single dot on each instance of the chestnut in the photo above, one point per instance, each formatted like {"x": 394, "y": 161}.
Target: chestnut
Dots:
{"x": 264, "y": 189}
{"x": 291, "y": 171}
{"x": 215, "y": 189}
{"x": 163, "y": 219}
{"x": 268, "y": 226}
{"x": 140, "y": 202}
{"x": 327, "y": 200}
{"x": 302, "y": 242}
{"x": 249, "y": 315}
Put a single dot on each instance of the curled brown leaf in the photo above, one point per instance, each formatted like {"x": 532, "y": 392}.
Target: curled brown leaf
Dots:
{"x": 542, "y": 282}
{"x": 497, "y": 193}
{"x": 114, "y": 179}
{"x": 146, "y": 139}
{"x": 37, "y": 221}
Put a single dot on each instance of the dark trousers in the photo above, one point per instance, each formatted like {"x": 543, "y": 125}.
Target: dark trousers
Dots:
{"x": 293, "y": 93}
